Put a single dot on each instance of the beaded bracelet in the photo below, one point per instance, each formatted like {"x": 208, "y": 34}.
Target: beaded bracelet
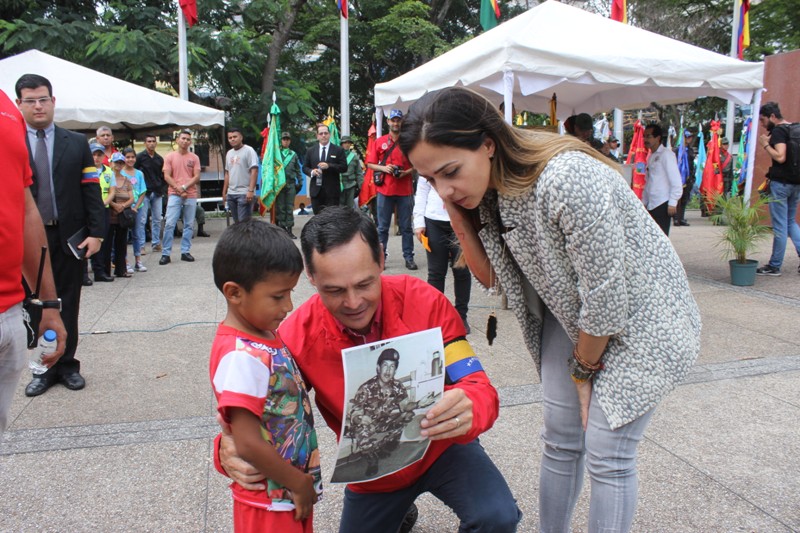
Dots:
{"x": 580, "y": 370}
{"x": 588, "y": 366}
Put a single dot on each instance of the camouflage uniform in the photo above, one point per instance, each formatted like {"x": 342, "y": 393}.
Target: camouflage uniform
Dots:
{"x": 381, "y": 436}
{"x": 284, "y": 203}
{"x": 352, "y": 180}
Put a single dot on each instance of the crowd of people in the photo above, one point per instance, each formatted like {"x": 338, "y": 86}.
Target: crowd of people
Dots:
{"x": 586, "y": 266}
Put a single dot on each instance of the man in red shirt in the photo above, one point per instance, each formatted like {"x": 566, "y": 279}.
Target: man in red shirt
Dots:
{"x": 22, "y": 238}
{"x": 397, "y": 189}
{"x": 355, "y": 304}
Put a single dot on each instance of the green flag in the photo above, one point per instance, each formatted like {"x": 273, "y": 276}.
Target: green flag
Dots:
{"x": 273, "y": 177}
{"x": 490, "y": 12}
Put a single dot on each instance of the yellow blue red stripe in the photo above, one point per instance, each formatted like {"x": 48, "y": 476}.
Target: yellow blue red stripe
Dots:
{"x": 460, "y": 360}
{"x": 89, "y": 175}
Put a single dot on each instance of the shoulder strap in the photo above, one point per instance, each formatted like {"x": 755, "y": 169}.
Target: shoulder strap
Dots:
{"x": 388, "y": 153}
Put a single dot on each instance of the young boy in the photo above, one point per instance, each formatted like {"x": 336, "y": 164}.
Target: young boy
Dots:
{"x": 259, "y": 390}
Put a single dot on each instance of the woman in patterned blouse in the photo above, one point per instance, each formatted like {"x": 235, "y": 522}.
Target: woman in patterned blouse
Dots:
{"x": 602, "y": 297}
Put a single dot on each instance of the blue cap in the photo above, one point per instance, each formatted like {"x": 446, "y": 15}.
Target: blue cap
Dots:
{"x": 687, "y": 133}
{"x": 116, "y": 156}
{"x": 395, "y": 113}
{"x": 49, "y": 335}
{"x": 94, "y": 147}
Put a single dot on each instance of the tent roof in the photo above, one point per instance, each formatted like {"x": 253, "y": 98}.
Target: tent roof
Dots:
{"x": 592, "y": 63}
{"x": 87, "y": 99}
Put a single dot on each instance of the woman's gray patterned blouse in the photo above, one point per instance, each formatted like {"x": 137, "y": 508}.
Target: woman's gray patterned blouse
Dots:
{"x": 599, "y": 262}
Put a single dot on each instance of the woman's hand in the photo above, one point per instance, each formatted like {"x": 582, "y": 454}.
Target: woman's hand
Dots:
{"x": 584, "y": 397}
{"x": 418, "y": 233}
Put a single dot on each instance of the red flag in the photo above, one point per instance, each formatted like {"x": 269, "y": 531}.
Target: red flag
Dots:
{"x": 189, "y": 8}
{"x": 343, "y": 7}
{"x": 368, "y": 190}
{"x": 637, "y": 156}
{"x": 619, "y": 11}
{"x": 711, "y": 185}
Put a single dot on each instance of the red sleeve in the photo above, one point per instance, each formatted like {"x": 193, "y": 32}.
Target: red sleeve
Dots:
{"x": 463, "y": 367}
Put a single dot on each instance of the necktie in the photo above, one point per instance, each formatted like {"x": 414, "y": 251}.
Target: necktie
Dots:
{"x": 324, "y": 150}
{"x": 44, "y": 197}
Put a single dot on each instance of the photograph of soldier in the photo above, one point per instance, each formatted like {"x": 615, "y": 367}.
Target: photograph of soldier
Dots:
{"x": 382, "y": 423}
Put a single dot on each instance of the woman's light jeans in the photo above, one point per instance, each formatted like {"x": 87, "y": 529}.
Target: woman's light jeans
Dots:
{"x": 609, "y": 456}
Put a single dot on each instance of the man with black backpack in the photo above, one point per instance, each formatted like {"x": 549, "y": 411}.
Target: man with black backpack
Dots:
{"x": 782, "y": 143}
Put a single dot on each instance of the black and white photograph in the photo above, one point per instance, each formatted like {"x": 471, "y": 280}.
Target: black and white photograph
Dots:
{"x": 389, "y": 387}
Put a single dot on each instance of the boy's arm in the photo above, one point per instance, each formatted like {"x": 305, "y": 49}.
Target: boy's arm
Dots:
{"x": 246, "y": 428}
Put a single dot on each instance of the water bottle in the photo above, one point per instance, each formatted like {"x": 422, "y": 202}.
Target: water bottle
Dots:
{"x": 47, "y": 345}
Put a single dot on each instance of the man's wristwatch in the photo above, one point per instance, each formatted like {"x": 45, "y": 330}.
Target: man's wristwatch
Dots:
{"x": 52, "y": 304}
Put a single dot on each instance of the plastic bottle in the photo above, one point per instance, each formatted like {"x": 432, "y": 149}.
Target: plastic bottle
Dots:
{"x": 47, "y": 345}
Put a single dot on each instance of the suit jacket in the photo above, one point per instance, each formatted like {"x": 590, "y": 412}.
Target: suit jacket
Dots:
{"x": 336, "y": 158}
{"x": 76, "y": 186}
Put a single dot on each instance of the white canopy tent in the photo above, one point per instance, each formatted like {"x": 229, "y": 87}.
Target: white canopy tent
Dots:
{"x": 590, "y": 62}
{"x": 87, "y": 99}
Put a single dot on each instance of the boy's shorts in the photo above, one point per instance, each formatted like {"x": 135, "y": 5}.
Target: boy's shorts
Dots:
{"x": 249, "y": 519}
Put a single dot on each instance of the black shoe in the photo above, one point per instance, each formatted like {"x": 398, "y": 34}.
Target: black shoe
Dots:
{"x": 684, "y": 223}
{"x": 73, "y": 381}
{"x": 165, "y": 260}
{"x": 767, "y": 270}
{"x": 187, "y": 257}
{"x": 291, "y": 234}
{"x": 372, "y": 468}
{"x": 202, "y": 233}
{"x": 411, "y": 265}
{"x": 103, "y": 277}
{"x": 39, "y": 384}
{"x": 87, "y": 282}
{"x": 466, "y": 325}
{"x": 409, "y": 519}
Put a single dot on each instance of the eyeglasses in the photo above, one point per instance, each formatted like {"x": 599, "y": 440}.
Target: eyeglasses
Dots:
{"x": 44, "y": 100}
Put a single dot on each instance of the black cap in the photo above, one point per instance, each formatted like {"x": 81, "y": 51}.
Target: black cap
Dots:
{"x": 389, "y": 354}
{"x": 285, "y": 135}
{"x": 345, "y": 139}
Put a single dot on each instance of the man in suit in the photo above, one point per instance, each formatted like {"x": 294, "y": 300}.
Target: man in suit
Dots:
{"x": 323, "y": 164}
{"x": 67, "y": 193}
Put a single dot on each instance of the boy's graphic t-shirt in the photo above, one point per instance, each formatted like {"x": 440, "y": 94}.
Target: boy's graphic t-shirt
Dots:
{"x": 261, "y": 376}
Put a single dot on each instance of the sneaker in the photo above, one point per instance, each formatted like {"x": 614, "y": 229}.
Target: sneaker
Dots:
{"x": 140, "y": 267}
{"x": 129, "y": 269}
{"x": 411, "y": 265}
{"x": 156, "y": 248}
{"x": 767, "y": 270}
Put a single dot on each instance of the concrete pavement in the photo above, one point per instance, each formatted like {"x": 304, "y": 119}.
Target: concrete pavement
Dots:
{"x": 132, "y": 452}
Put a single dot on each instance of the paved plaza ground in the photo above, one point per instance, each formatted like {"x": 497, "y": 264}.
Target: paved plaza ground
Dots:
{"x": 132, "y": 451}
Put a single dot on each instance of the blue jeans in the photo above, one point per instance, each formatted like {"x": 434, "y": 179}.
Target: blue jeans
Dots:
{"x": 386, "y": 206}
{"x": 783, "y": 210}
{"x": 176, "y": 205}
{"x": 152, "y": 202}
{"x": 609, "y": 455}
{"x": 463, "y": 477}
{"x": 13, "y": 358}
{"x": 241, "y": 210}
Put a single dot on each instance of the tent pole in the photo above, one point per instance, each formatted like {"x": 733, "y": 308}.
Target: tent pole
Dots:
{"x": 508, "y": 95}
{"x": 751, "y": 145}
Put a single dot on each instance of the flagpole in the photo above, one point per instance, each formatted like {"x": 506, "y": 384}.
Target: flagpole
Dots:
{"x": 734, "y": 49}
{"x": 183, "y": 72}
{"x": 344, "y": 37}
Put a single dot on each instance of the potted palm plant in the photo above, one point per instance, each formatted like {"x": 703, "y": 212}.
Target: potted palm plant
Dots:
{"x": 742, "y": 230}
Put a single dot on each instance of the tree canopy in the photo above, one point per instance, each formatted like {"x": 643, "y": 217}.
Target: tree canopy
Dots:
{"x": 240, "y": 52}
